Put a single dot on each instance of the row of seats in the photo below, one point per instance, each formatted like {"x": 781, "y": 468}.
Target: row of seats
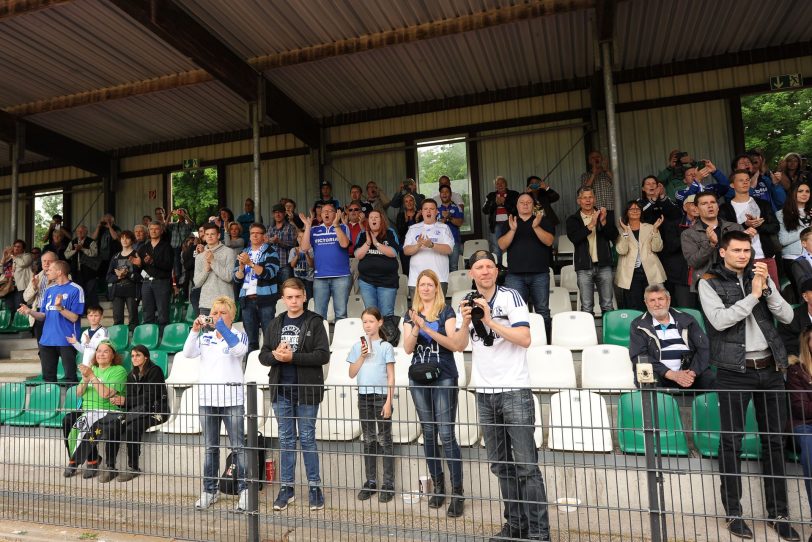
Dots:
{"x": 174, "y": 335}
{"x": 578, "y": 420}
{"x": 13, "y": 323}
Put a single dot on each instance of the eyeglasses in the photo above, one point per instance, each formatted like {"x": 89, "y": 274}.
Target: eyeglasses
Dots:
{"x": 354, "y": 209}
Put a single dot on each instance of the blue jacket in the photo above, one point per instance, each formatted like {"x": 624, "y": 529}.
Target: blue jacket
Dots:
{"x": 266, "y": 281}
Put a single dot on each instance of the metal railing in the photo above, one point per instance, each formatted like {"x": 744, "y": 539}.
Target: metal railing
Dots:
{"x": 612, "y": 470}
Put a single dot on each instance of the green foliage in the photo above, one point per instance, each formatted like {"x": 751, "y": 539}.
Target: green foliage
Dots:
{"x": 45, "y": 208}
{"x": 196, "y": 191}
{"x": 778, "y": 123}
{"x": 445, "y": 159}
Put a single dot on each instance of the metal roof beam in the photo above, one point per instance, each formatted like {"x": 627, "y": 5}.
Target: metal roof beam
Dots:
{"x": 12, "y": 8}
{"x": 605, "y": 11}
{"x": 180, "y": 30}
{"x": 46, "y": 142}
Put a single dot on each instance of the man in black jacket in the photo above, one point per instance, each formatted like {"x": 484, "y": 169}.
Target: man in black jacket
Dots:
{"x": 592, "y": 230}
{"x": 156, "y": 259}
{"x": 674, "y": 342}
{"x": 296, "y": 346}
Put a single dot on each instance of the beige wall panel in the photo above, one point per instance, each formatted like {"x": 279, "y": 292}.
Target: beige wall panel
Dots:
{"x": 133, "y": 199}
{"x": 88, "y": 206}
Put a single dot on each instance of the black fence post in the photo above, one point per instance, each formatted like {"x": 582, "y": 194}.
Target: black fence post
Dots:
{"x": 251, "y": 463}
{"x": 653, "y": 463}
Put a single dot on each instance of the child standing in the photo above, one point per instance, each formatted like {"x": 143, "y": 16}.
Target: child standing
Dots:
{"x": 372, "y": 361}
{"x": 91, "y": 337}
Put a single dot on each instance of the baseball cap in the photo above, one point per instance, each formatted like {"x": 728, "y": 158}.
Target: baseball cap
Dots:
{"x": 326, "y": 183}
{"x": 690, "y": 199}
{"x": 278, "y": 208}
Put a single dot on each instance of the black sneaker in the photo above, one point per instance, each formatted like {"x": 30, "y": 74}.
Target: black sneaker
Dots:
{"x": 70, "y": 471}
{"x": 508, "y": 532}
{"x": 387, "y": 493}
{"x": 783, "y": 529}
{"x": 738, "y": 527}
{"x": 366, "y": 492}
{"x": 91, "y": 470}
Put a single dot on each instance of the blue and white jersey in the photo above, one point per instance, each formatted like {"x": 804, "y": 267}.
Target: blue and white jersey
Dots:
{"x": 221, "y": 376}
{"x": 329, "y": 258}
{"x": 57, "y": 328}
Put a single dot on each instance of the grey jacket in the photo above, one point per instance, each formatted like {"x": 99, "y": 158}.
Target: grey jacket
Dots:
{"x": 218, "y": 281}
{"x": 698, "y": 251}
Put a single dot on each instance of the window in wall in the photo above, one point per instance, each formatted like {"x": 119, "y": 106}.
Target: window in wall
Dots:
{"x": 196, "y": 191}
{"x": 446, "y": 157}
{"x": 778, "y": 123}
{"x": 46, "y": 205}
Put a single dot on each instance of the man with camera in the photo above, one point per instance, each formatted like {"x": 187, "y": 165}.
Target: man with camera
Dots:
{"x": 740, "y": 300}
{"x": 496, "y": 320}
{"x": 106, "y": 236}
{"x": 673, "y": 342}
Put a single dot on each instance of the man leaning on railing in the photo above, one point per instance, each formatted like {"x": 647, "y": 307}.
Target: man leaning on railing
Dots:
{"x": 498, "y": 322}
{"x": 739, "y": 300}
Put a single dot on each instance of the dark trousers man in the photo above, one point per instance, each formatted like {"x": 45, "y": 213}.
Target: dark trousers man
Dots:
{"x": 256, "y": 317}
{"x": 49, "y": 360}
{"x": 769, "y": 400}
{"x": 155, "y": 297}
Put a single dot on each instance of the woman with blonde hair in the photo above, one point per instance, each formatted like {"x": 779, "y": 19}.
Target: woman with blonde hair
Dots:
{"x": 799, "y": 384}
{"x": 638, "y": 265}
{"x": 428, "y": 330}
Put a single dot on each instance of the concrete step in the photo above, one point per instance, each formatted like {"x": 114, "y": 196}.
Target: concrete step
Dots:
{"x": 7, "y": 344}
{"x": 24, "y": 355}
{"x": 15, "y": 371}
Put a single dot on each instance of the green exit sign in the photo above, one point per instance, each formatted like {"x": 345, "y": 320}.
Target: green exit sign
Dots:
{"x": 789, "y": 80}
{"x": 191, "y": 163}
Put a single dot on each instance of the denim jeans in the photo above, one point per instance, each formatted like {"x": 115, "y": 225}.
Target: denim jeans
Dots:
{"x": 377, "y": 432}
{"x": 289, "y": 416}
{"x": 588, "y": 279}
{"x": 436, "y": 407}
{"x": 454, "y": 257}
{"x": 771, "y": 415}
{"x": 376, "y": 296}
{"x": 803, "y": 439}
{"x": 254, "y": 318}
{"x": 533, "y": 286}
{"x": 233, "y": 418}
{"x": 508, "y": 424}
{"x": 155, "y": 297}
{"x": 336, "y": 287}
{"x": 499, "y": 229}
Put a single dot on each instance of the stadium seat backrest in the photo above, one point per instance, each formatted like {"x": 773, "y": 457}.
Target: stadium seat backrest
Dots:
{"x": 339, "y": 374}
{"x": 579, "y": 421}
{"x": 551, "y": 367}
{"x": 671, "y": 435}
{"x": 173, "y": 338}
{"x": 146, "y": 334}
{"x": 120, "y": 336}
{"x": 255, "y": 371}
{"x": 606, "y": 367}
{"x": 538, "y": 330}
{"x": 706, "y": 426}
{"x": 12, "y": 400}
{"x": 616, "y": 326}
{"x": 696, "y": 314}
{"x": 573, "y": 329}
{"x": 161, "y": 359}
{"x": 185, "y": 371}
{"x": 5, "y": 317}
{"x": 346, "y": 333}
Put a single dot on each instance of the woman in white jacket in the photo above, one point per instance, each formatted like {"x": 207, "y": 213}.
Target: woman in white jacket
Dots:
{"x": 638, "y": 264}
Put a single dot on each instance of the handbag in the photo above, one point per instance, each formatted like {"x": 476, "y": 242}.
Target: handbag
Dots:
{"x": 427, "y": 372}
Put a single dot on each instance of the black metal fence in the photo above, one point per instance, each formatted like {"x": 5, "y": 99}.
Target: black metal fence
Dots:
{"x": 612, "y": 469}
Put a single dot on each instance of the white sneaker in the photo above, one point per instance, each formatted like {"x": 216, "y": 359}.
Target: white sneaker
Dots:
{"x": 242, "y": 504}
{"x": 206, "y": 500}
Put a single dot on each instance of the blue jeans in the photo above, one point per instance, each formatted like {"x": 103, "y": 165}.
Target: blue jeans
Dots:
{"x": 436, "y": 407}
{"x": 803, "y": 439}
{"x": 232, "y": 417}
{"x": 454, "y": 257}
{"x": 507, "y": 420}
{"x": 588, "y": 279}
{"x": 376, "y": 296}
{"x": 533, "y": 286}
{"x": 289, "y": 415}
{"x": 336, "y": 287}
{"x": 254, "y": 318}
{"x": 499, "y": 229}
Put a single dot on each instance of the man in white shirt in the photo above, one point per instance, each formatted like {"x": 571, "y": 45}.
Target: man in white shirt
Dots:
{"x": 428, "y": 243}
{"x": 499, "y": 330}
{"x": 221, "y": 348}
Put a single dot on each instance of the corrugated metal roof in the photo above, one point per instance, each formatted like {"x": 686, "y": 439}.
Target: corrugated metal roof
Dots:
{"x": 650, "y": 33}
{"x": 75, "y": 47}
{"x": 159, "y": 116}
{"x": 499, "y": 57}
{"x": 254, "y": 28}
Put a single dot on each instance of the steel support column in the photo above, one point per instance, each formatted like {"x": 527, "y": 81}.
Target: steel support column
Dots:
{"x": 257, "y": 164}
{"x": 611, "y": 121}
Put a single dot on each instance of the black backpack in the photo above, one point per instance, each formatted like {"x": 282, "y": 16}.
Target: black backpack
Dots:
{"x": 391, "y": 329}
{"x": 228, "y": 481}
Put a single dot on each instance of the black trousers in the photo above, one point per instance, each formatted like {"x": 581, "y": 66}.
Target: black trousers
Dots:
{"x": 86, "y": 450}
{"x": 766, "y": 389}
{"x": 130, "y": 433}
{"x": 49, "y": 360}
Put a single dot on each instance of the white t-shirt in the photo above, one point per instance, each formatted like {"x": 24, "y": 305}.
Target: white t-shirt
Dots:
{"x": 427, "y": 258}
{"x": 221, "y": 375}
{"x": 749, "y": 207}
{"x": 502, "y": 366}
{"x": 88, "y": 346}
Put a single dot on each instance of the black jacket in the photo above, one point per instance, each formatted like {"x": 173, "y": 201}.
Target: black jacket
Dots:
{"x": 490, "y": 206}
{"x": 652, "y": 210}
{"x": 643, "y": 341}
{"x": 545, "y": 199}
{"x": 147, "y": 393}
{"x": 312, "y": 353}
{"x": 791, "y": 333}
{"x": 767, "y": 232}
{"x": 163, "y": 258}
{"x": 578, "y": 233}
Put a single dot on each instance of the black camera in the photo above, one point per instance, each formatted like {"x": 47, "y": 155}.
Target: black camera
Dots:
{"x": 476, "y": 311}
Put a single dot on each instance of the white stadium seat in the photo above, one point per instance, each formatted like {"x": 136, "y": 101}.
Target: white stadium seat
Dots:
{"x": 551, "y": 368}
{"x": 255, "y": 371}
{"x": 185, "y": 371}
{"x": 569, "y": 278}
{"x": 559, "y": 300}
{"x": 606, "y": 367}
{"x": 579, "y": 422}
{"x": 538, "y": 331}
{"x": 187, "y": 419}
{"x": 574, "y": 330}
{"x": 346, "y": 333}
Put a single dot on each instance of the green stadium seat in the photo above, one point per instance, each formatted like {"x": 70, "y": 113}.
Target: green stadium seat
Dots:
{"x": 190, "y": 314}
{"x": 5, "y": 317}
{"x": 616, "y": 326}
{"x": 43, "y": 404}
{"x": 120, "y": 336}
{"x": 177, "y": 312}
{"x": 161, "y": 359}
{"x": 696, "y": 314}
{"x": 672, "y": 440}
{"x": 70, "y": 403}
{"x": 707, "y": 425}
{"x": 17, "y": 323}
{"x": 127, "y": 361}
{"x": 12, "y": 400}
{"x": 173, "y": 338}
{"x": 146, "y": 334}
